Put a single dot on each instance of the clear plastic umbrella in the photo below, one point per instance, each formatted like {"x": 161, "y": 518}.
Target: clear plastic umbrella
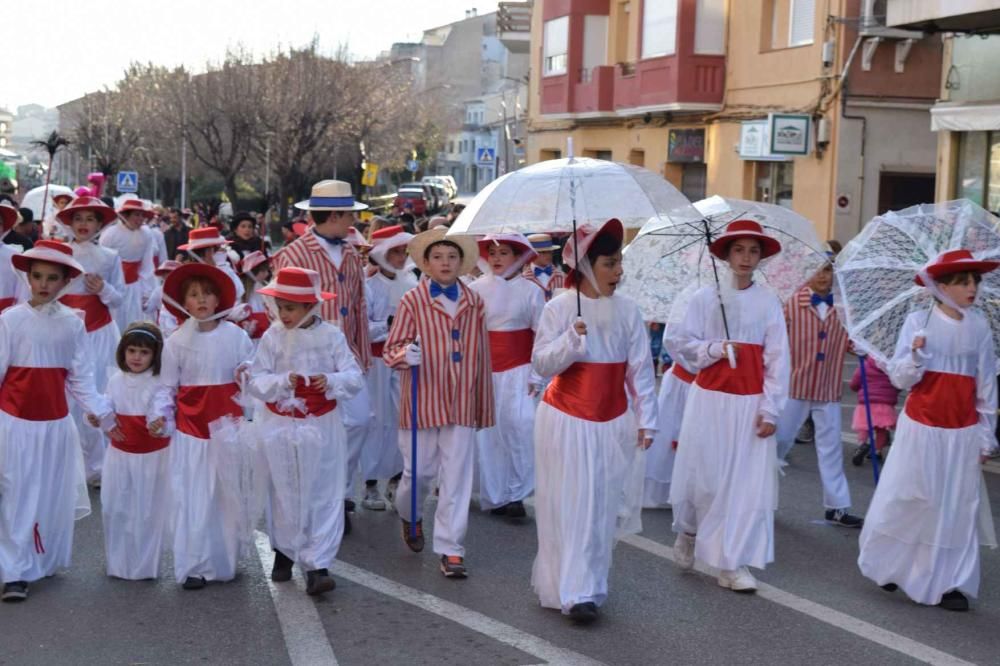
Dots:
{"x": 33, "y": 199}
{"x": 669, "y": 259}
{"x": 875, "y": 285}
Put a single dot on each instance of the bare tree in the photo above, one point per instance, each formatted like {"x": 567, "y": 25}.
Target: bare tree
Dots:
{"x": 104, "y": 128}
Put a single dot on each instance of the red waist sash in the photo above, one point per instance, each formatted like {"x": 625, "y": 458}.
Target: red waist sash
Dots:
{"x": 197, "y": 406}
{"x": 747, "y": 378}
{"x": 131, "y": 271}
{"x": 589, "y": 391}
{"x": 316, "y": 401}
{"x": 943, "y": 400}
{"x": 377, "y": 348}
{"x": 34, "y": 394}
{"x": 262, "y": 321}
{"x": 96, "y": 314}
{"x": 137, "y": 437}
{"x": 510, "y": 349}
{"x": 681, "y": 373}
{"x": 7, "y": 303}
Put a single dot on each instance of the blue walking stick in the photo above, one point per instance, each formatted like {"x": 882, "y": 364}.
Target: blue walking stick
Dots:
{"x": 868, "y": 416}
{"x": 414, "y": 381}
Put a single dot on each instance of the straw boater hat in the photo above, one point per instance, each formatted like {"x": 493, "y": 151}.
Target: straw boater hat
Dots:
{"x": 203, "y": 237}
{"x": 300, "y": 285}
{"x": 167, "y": 266}
{"x": 105, "y": 213}
{"x": 252, "y": 261}
{"x": 420, "y": 242}
{"x": 956, "y": 261}
{"x": 135, "y": 206}
{"x": 542, "y": 243}
{"x": 744, "y": 229}
{"x": 175, "y": 280}
{"x": 8, "y": 216}
{"x": 49, "y": 251}
{"x": 331, "y": 195}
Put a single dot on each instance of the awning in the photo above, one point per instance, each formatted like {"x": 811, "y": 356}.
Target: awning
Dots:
{"x": 965, "y": 117}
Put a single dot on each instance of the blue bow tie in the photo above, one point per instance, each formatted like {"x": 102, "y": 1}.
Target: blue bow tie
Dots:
{"x": 547, "y": 271}
{"x": 816, "y": 299}
{"x": 331, "y": 241}
{"x": 451, "y": 293}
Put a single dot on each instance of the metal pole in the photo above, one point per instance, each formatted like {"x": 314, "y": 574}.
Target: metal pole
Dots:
{"x": 267, "y": 170}
{"x": 184, "y": 166}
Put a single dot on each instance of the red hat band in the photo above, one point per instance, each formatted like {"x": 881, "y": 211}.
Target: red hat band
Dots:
{"x": 50, "y": 251}
{"x": 956, "y": 261}
{"x": 296, "y": 284}
{"x": 58, "y": 246}
{"x": 386, "y": 232}
{"x": 203, "y": 234}
{"x": 92, "y": 204}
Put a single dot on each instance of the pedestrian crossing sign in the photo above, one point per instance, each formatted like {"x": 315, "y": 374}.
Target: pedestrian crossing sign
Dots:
{"x": 485, "y": 155}
{"x": 128, "y": 181}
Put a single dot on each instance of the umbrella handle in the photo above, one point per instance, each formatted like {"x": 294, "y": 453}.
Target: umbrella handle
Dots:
{"x": 414, "y": 381}
{"x": 868, "y": 417}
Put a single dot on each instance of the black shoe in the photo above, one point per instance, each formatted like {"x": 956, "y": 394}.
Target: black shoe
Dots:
{"x": 416, "y": 543}
{"x": 193, "y": 583}
{"x": 347, "y": 523}
{"x": 500, "y": 510}
{"x": 14, "y": 592}
{"x": 349, "y": 505}
{"x": 584, "y": 613}
{"x": 318, "y": 582}
{"x": 453, "y": 566}
{"x": 890, "y": 587}
{"x": 516, "y": 510}
{"x": 954, "y": 601}
{"x": 281, "y": 572}
{"x": 860, "y": 453}
{"x": 841, "y": 518}
{"x": 806, "y": 434}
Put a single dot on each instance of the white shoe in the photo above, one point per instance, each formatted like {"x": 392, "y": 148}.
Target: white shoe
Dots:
{"x": 373, "y": 500}
{"x": 684, "y": 550}
{"x": 739, "y": 580}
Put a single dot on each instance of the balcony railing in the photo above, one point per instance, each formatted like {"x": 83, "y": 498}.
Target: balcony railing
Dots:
{"x": 514, "y": 17}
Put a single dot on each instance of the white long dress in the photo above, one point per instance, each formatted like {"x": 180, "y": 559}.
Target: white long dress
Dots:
{"x": 135, "y": 249}
{"x": 13, "y": 286}
{"x": 135, "y": 488}
{"x": 506, "y": 451}
{"x": 930, "y": 513}
{"x": 306, "y": 449}
{"x": 587, "y": 464}
{"x": 43, "y": 355}
{"x": 724, "y": 486}
{"x": 380, "y": 457}
{"x": 102, "y": 336}
{"x": 198, "y": 379}
{"x": 660, "y": 458}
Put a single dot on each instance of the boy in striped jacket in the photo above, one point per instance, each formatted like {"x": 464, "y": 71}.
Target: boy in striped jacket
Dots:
{"x": 440, "y": 328}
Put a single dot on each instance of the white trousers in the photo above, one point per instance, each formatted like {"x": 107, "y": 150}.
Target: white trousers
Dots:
{"x": 445, "y": 455}
{"x": 829, "y": 450}
{"x": 356, "y": 415}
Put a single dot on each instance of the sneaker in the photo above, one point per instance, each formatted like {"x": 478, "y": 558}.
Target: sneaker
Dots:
{"x": 14, "y": 592}
{"x": 318, "y": 582}
{"x": 841, "y": 518}
{"x": 516, "y": 510}
{"x": 806, "y": 434}
{"x": 453, "y": 566}
{"x": 416, "y": 543}
{"x": 954, "y": 601}
{"x": 684, "y": 550}
{"x": 739, "y": 580}
{"x": 373, "y": 499}
{"x": 860, "y": 454}
{"x": 390, "y": 490}
{"x": 281, "y": 571}
{"x": 193, "y": 583}
{"x": 584, "y": 613}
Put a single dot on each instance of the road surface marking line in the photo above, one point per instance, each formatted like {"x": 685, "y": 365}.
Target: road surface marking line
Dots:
{"x": 866, "y": 630}
{"x": 483, "y": 624}
{"x": 305, "y": 637}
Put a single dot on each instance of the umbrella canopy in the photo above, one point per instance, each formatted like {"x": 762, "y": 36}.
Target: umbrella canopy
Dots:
{"x": 555, "y": 194}
{"x": 33, "y": 199}
{"x": 875, "y": 288}
{"x": 669, "y": 259}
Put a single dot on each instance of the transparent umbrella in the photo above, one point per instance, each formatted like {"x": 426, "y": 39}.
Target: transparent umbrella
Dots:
{"x": 34, "y": 198}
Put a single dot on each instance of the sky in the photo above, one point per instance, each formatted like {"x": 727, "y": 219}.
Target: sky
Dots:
{"x": 57, "y": 50}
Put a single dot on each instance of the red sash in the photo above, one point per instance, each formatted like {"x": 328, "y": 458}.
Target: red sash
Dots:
{"x": 96, "y": 313}
{"x": 943, "y": 400}
{"x": 34, "y": 394}
{"x": 131, "y": 271}
{"x": 197, "y": 406}
{"x": 589, "y": 391}
{"x": 316, "y": 401}
{"x": 681, "y": 373}
{"x": 377, "y": 348}
{"x": 137, "y": 437}
{"x": 7, "y": 303}
{"x": 262, "y": 321}
{"x": 510, "y": 349}
{"x": 747, "y": 378}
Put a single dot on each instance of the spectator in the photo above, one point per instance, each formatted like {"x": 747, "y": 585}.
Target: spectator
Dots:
{"x": 175, "y": 235}
{"x": 244, "y": 234}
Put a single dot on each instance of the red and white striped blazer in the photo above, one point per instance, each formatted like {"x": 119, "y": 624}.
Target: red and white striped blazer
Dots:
{"x": 818, "y": 348}
{"x": 348, "y": 310}
{"x": 557, "y": 281}
{"x": 456, "y": 378}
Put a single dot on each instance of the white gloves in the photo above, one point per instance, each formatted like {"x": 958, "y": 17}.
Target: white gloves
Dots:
{"x": 412, "y": 356}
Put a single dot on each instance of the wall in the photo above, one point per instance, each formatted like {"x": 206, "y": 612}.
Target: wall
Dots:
{"x": 975, "y": 63}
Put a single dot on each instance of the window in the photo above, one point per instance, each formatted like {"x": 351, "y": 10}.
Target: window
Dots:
{"x": 595, "y": 44}
{"x": 710, "y": 27}
{"x": 773, "y": 182}
{"x": 659, "y": 28}
{"x": 972, "y": 166}
{"x": 802, "y": 22}
{"x": 556, "y": 46}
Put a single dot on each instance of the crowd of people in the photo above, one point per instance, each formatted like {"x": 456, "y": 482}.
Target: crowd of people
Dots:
{"x": 208, "y": 384}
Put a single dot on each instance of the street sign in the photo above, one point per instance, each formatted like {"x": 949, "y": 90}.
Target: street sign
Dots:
{"x": 412, "y": 165}
{"x": 371, "y": 175}
{"x": 128, "y": 181}
{"x": 486, "y": 155}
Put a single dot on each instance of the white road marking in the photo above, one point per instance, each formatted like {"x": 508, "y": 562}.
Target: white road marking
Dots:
{"x": 305, "y": 637}
{"x": 866, "y": 630}
{"x": 498, "y": 631}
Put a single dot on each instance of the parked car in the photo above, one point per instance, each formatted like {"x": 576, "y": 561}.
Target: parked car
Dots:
{"x": 415, "y": 196}
{"x": 447, "y": 181}
{"x": 443, "y": 195}
{"x": 430, "y": 194}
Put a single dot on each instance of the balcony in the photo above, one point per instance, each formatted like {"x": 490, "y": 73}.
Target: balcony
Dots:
{"x": 979, "y": 16}
{"x": 514, "y": 25}
{"x": 594, "y": 92}
{"x": 668, "y": 83}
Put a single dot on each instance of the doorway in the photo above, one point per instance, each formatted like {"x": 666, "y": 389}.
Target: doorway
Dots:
{"x": 901, "y": 190}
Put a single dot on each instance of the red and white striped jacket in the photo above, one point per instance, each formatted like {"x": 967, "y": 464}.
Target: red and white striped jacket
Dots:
{"x": 818, "y": 348}
{"x": 456, "y": 379}
{"x": 348, "y": 310}
{"x": 556, "y": 281}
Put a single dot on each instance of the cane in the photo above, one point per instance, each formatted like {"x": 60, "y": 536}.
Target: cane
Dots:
{"x": 414, "y": 381}
{"x": 868, "y": 416}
